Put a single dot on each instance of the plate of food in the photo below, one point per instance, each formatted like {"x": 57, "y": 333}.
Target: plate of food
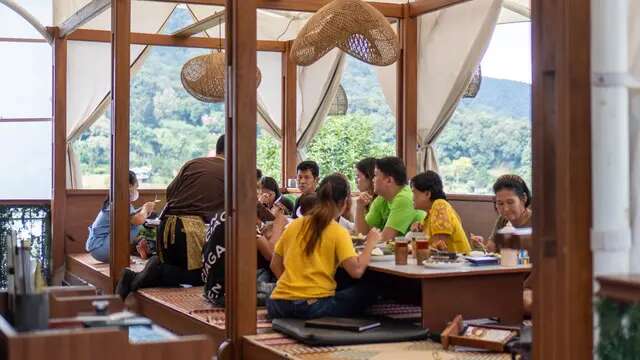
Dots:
{"x": 358, "y": 239}
{"x": 438, "y": 263}
{"x": 378, "y": 254}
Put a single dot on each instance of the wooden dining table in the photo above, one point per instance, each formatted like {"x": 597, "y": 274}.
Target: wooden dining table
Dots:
{"x": 471, "y": 291}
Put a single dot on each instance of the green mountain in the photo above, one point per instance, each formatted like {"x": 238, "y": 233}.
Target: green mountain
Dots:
{"x": 504, "y": 97}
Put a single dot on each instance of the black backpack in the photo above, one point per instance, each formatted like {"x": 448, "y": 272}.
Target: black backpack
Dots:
{"x": 213, "y": 259}
{"x": 213, "y": 255}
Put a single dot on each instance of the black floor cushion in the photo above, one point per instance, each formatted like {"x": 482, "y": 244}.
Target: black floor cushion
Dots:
{"x": 389, "y": 331}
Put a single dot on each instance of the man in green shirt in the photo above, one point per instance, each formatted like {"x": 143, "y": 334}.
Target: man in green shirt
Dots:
{"x": 392, "y": 210}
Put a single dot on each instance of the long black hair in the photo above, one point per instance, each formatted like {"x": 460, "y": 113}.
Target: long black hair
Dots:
{"x": 367, "y": 167}
{"x": 133, "y": 179}
{"x": 270, "y": 183}
{"x": 429, "y": 181}
{"x": 332, "y": 194}
{"x": 516, "y": 184}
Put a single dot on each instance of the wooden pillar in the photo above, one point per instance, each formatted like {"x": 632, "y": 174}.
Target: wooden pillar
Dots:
{"x": 407, "y": 132}
{"x": 400, "y": 95}
{"x": 240, "y": 180}
{"x": 59, "y": 149}
{"x": 289, "y": 116}
{"x": 119, "y": 190}
{"x": 561, "y": 141}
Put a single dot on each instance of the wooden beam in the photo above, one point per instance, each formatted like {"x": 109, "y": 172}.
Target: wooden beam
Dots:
{"x": 409, "y": 127}
{"x": 289, "y": 117}
{"x": 562, "y": 206}
{"x": 400, "y": 96}
{"x": 120, "y": 89}
{"x": 168, "y": 40}
{"x": 240, "y": 180}
{"x": 200, "y": 26}
{"x": 26, "y": 202}
{"x": 22, "y": 40}
{"x": 387, "y": 9}
{"x": 421, "y": 7}
{"x": 82, "y": 16}
{"x": 59, "y": 150}
{"x": 24, "y": 120}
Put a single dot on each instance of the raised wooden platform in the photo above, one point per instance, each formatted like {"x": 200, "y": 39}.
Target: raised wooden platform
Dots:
{"x": 620, "y": 287}
{"x": 66, "y": 339}
{"x": 83, "y": 269}
{"x": 274, "y": 346}
{"x": 186, "y": 312}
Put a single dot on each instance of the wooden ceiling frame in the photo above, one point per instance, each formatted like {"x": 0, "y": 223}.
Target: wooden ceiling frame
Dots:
{"x": 169, "y": 40}
{"x": 202, "y": 25}
{"x": 83, "y": 16}
{"x": 96, "y": 7}
{"x": 390, "y": 10}
{"x": 422, "y": 7}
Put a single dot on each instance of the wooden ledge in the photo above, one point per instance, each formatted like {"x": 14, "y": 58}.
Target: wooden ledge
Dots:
{"x": 620, "y": 287}
{"x": 89, "y": 270}
{"x": 278, "y": 346}
{"x": 82, "y": 269}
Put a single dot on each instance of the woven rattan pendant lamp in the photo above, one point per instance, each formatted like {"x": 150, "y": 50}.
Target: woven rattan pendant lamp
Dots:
{"x": 355, "y": 27}
{"x": 203, "y": 77}
{"x": 474, "y": 84}
{"x": 340, "y": 103}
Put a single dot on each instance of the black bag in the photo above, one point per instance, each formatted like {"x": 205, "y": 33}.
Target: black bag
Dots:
{"x": 213, "y": 260}
{"x": 213, "y": 255}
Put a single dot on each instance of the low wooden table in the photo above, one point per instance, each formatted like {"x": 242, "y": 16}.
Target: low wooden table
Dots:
{"x": 474, "y": 292}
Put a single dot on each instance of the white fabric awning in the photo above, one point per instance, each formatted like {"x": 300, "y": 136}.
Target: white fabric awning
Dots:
{"x": 89, "y": 63}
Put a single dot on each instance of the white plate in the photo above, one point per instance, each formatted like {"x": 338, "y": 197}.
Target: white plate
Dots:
{"x": 383, "y": 258}
{"x": 444, "y": 265}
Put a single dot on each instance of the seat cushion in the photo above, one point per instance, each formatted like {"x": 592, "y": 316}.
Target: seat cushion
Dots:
{"x": 388, "y": 331}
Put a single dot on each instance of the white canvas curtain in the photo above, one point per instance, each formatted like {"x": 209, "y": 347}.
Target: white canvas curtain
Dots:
{"x": 452, "y": 43}
{"x": 634, "y": 130}
{"x": 315, "y": 97}
{"x": 89, "y": 68}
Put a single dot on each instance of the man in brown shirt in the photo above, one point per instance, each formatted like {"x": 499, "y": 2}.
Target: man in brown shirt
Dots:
{"x": 198, "y": 189}
{"x": 193, "y": 198}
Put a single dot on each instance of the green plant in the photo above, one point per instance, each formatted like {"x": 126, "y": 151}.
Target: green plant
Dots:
{"x": 32, "y": 220}
{"x": 619, "y": 325}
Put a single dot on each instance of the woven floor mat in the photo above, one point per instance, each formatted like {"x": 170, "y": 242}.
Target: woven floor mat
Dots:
{"x": 395, "y": 311}
{"x": 136, "y": 263}
{"x": 191, "y": 301}
{"x": 423, "y": 350}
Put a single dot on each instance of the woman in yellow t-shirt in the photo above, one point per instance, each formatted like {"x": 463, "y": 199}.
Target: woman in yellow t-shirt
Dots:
{"x": 442, "y": 224}
{"x": 309, "y": 252}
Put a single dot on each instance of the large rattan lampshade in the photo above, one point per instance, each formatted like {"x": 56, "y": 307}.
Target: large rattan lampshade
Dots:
{"x": 203, "y": 77}
{"x": 340, "y": 103}
{"x": 355, "y": 27}
{"x": 474, "y": 84}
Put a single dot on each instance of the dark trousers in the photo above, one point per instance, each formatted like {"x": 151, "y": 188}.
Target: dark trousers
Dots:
{"x": 347, "y": 302}
{"x": 156, "y": 274}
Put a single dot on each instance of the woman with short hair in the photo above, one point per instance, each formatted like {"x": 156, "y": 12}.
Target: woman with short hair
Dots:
{"x": 442, "y": 224}
{"x": 512, "y": 202}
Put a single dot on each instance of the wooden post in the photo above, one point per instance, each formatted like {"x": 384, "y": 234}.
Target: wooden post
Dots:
{"x": 240, "y": 180}
{"x": 289, "y": 116}
{"x": 59, "y": 150}
{"x": 400, "y": 95}
{"x": 561, "y": 140}
{"x": 119, "y": 190}
{"x": 408, "y": 130}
